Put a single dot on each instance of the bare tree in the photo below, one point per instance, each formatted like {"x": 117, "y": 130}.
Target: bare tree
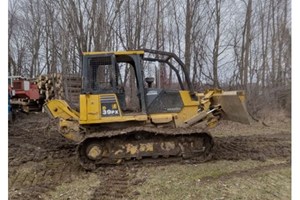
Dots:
{"x": 216, "y": 44}
{"x": 246, "y": 45}
{"x": 236, "y": 44}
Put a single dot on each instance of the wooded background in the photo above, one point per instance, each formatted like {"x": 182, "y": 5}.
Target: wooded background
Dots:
{"x": 230, "y": 44}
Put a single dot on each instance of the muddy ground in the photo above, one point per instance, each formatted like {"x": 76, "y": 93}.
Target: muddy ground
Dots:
{"x": 43, "y": 165}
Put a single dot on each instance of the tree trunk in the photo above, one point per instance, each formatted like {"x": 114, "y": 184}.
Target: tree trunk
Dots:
{"x": 216, "y": 46}
{"x": 188, "y": 29}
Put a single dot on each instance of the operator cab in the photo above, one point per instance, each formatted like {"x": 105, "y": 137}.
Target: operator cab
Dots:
{"x": 146, "y": 82}
{"x": 115, "y": 73}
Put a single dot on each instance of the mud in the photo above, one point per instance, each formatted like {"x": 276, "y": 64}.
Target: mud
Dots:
{"x": 115, "y": 183}
{"x": 244, "y": 173}
{"x": 40, "y": 160}
{"x": 256, "y": 147}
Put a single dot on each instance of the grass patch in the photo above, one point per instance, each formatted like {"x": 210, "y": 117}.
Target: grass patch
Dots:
{"x": 81, "y": 188}
{"x": 229, "y": 128}
{"x": 201, "y": 181}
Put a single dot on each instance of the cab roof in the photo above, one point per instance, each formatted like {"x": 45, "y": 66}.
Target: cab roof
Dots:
{"x": 113, "y": 52}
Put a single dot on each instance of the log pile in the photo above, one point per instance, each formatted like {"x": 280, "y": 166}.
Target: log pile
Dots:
{"x": 56, "y": 86}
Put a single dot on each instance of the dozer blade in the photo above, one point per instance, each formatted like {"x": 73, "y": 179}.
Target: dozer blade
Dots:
{"x": 233, "y": 105}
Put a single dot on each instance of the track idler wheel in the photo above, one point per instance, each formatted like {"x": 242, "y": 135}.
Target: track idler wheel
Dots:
{"x": 89, "y": 152}
{"x": 94, "y": 151}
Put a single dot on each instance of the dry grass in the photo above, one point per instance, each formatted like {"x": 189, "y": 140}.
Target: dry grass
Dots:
{"x": 228, "y": 128}
{"x": 80, "y": 188}
{"x": 219, "y": 180}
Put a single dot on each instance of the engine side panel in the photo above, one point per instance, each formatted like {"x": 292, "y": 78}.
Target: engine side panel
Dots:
{"x": 104, "y": 108}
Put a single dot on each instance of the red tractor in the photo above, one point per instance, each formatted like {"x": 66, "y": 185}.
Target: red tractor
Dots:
{"x": 24, "y": 94}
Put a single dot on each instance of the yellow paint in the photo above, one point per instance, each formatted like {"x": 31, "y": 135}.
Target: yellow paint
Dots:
{"x": 108, "y": 120}
{"x": 90, "y": 111}
{"x": 242, "y": 97}
{"x": 146, "y": 147}
{"x": 186, "y": 98}
{"x": 138, "y": 117}
{"x": 94, "y": 152}
{"x": 190, "y": 108}
{"x": 112, "y": 52}
{"x": 212, "y": 122}
{"x": 116, "y": 119}
{"x": 60, "y": 109}
{"x": 167, "y": 146}
{"x": 132, "y": 149}
{"x": 93, "y": 110}
{"x": 135, "y": 149}
{"x": 70, "y": 130}
{"x": 83, "y": 107}
{"x": 161, "y": 118}
{"x": 209, "y": 94}
{"x": 90, "y": 108}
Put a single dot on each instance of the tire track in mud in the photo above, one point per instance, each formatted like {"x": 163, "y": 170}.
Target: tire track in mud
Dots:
{"x": 36, "y": 146}
{"x": 255, "y": 147}
{"x": 115, "y": 183}
{"x": 33, "y": 155}
{"x": 244, "y": 173}
{"x": 39, "y": 161}
{"x": 31, "y": 180}
{"x": 49, "y": 172}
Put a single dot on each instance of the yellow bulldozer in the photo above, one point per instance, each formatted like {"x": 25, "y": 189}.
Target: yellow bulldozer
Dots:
{"x": 168, "y": 120}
